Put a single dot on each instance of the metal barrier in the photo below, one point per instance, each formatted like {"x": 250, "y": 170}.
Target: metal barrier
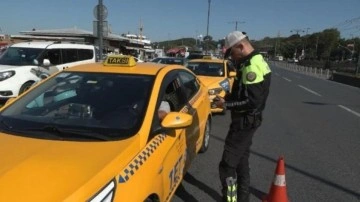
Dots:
{"x": 320, "y": 73}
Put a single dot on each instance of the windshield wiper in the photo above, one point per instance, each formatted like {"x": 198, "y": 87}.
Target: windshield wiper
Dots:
{"x": 66, "y": 132}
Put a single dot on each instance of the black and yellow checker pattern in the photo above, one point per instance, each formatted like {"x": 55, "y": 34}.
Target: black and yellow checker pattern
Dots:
{"x": 134, "y": 165}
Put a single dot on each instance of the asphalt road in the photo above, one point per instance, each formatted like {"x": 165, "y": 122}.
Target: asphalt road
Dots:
{"x": 313, "y": 123}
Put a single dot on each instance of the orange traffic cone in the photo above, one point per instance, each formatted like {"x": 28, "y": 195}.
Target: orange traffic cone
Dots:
{"x": 278, "y": 191}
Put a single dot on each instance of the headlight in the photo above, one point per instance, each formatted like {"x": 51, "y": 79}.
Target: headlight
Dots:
{"x": 6, "y": 75}
{"x": 106, "y": 194}
{"x": 215, "y": 91}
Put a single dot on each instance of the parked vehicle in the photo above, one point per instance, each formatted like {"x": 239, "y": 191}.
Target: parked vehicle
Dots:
{"x": 19, "y": 62}
{"x": 169, "y": 60}
{"x": 218, "y": 75}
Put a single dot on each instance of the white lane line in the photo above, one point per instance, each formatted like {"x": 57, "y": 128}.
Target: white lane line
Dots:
{"x": 286, "y": 79}
{"x": 349, "y": 110}
{"x": 311, "y": 91}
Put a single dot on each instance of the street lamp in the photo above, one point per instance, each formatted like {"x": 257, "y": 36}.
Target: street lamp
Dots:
{"x": 208, "y": 18}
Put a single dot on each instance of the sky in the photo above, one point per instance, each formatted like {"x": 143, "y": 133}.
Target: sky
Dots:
{"x": 173, "y": 19}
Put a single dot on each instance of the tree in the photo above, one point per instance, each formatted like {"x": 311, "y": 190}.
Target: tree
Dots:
{"x": 328, "y": 42}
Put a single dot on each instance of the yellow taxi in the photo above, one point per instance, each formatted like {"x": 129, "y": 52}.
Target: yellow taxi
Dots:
{"x": 92, "y": 133}
{"x": 218, "y": 75}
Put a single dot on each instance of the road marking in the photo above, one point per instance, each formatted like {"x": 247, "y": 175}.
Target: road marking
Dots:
{"x": 311, "y": 91}
{"x": 286, "y": 79}
{"x": 349, "y": 110}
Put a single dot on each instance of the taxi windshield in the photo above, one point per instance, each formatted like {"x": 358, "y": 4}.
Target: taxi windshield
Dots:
{"x": 104, "y": 106}
{"x": 207, "y": 68}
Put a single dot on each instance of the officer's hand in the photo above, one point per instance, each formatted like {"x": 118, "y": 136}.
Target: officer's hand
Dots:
{"x": 218, "y": 102}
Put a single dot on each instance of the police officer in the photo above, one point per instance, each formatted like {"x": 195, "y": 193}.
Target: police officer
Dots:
{"x": 246, "y": 102}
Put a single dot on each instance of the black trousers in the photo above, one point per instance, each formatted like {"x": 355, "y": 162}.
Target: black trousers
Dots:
{"x": 235, "y": 159}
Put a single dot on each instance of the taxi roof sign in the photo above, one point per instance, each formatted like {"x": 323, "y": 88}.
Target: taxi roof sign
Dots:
{"x": 120, "y": 60}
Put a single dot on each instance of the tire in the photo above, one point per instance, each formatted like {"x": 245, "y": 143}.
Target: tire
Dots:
{"x": 152, "y": 199}
{"x": 206, "y": 140}
{"x": 25, "y": 87}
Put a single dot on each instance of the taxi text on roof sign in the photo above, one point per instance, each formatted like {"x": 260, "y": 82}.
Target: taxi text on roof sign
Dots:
{"x": 120, "y": 60}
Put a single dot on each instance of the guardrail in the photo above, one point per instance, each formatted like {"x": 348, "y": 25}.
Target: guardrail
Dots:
{"x": 311, "y": 71}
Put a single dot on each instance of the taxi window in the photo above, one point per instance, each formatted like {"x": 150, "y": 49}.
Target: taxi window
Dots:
{"x": 101, "y": 104}
{"x": 174, "y": 95}
{"x": 206, "y": 68}
{"x": 190, "y": 83}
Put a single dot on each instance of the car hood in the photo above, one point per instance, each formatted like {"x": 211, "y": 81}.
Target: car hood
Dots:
{"x": 47, "y": 170}
{"x": 211, "y": 82}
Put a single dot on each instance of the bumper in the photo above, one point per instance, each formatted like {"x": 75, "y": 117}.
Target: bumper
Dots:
{"x": 8, "y": 88}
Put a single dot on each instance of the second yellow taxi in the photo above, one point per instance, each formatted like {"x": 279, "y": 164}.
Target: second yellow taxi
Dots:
{"x": 93, "y": 133}
{"x": 218, "y": 75}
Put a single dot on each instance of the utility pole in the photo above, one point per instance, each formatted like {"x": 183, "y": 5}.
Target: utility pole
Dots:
{"x": 297, "y": 33}
{"x": 276, "y": 43}
{"x": 207, "y": 28}
{"x": 100, "y": 28}
{"x": 357, "y": 66}
{"x": 236, "y": 22}
{"x": 353, "y": 45}
{"x": 305, "y": 43}
{"x": 316, "y": 46}
{"x": 208, "y": 18}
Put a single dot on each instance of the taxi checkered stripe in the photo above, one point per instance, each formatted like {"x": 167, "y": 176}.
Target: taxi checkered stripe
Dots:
{"x": 131, "y": 169}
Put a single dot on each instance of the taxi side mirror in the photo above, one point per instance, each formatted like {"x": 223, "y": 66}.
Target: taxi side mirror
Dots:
{"x": 176, "y": 120}
{"x": 232, "y": 74}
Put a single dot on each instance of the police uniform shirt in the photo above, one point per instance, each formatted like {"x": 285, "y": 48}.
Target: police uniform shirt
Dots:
{"x": 251, "y": 88}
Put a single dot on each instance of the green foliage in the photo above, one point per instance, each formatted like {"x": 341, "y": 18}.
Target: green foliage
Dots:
{"x": 317, "y": 46}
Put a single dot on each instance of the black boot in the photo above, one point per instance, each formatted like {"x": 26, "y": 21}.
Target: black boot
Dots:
{"x": 243, "y": 196}
{"x": 243, "y": 192}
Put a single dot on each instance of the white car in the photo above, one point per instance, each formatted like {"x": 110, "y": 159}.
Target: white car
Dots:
{"x": 20, "y": 63}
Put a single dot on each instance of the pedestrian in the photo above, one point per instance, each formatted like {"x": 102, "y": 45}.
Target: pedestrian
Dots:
{"x": 246, "y": 103}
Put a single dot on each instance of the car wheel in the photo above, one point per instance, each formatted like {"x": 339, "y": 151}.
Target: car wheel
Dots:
{"x": 206, "y": 140}
{"x": 25, "y": 87}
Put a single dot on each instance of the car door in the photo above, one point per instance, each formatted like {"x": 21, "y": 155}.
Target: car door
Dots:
{"x": 195, "y": 107}
{"x": 173, "y": 162}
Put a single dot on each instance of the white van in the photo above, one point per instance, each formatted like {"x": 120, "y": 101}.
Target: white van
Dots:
{"x": 18, "y": 63}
